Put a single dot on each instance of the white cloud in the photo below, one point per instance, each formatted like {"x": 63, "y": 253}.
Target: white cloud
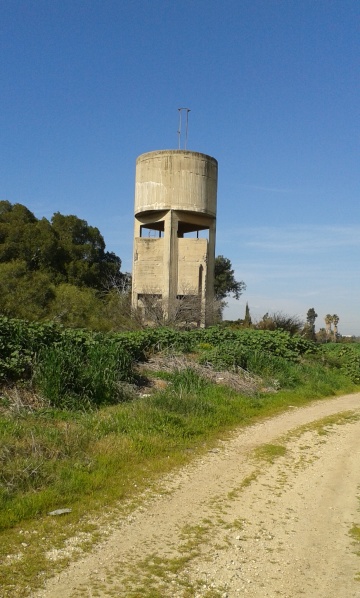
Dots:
{"x": 305, "y": 239}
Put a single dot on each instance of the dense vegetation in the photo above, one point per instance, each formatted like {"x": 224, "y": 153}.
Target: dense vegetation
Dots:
{"x": 66, "y": 249}
{"x": 67, "y": 371}
{"x": 75, "y": 431}
{"x": 67, "y": 365}
{"x": 32, "y": 351}
{"x": 58, "y": 269}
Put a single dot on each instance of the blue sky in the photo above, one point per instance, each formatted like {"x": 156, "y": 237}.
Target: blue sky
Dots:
{"x": 274, "y": 92}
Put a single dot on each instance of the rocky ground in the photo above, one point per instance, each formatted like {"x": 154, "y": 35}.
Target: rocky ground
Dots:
{"x": 266, "y": 513}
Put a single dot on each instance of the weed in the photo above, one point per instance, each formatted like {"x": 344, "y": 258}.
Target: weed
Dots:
{"x": 270, "y": 452}
{"x": 354, "y": 533}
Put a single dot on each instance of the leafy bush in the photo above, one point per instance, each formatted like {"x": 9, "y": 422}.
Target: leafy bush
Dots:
{"x": 346, "y": 357}
{"x": 277, "y": 342}
{"x": 268, "y": 354}
{"x": 281, "y": 321}
{"x": 19, "y": 342}
{"x": 75, "y": 367}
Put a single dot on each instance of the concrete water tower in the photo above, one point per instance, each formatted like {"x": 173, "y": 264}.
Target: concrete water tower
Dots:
{"x": 174, "y": 236}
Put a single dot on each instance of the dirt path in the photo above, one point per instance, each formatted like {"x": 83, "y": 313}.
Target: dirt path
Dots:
{"x": 243, "y": 520}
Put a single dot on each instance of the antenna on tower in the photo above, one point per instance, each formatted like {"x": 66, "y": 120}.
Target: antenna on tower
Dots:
{"x": 187, "y": 110}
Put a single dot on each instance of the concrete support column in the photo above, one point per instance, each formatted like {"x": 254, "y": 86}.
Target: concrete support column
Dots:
{"x": 210, "y": 280}
{"x": 134, "y": 292}
{"x": 170, "y": 263}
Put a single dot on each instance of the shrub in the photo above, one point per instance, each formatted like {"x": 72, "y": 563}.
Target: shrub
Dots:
{"x": 79, "y": 376}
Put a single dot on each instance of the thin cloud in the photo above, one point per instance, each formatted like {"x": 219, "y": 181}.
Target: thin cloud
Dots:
{"x": 300, "y": 239}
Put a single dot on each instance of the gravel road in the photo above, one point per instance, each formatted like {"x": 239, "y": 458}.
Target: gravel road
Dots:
{"x": 266, "y": 513}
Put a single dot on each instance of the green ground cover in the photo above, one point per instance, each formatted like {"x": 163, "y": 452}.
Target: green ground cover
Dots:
{"x": 75, "y": 433}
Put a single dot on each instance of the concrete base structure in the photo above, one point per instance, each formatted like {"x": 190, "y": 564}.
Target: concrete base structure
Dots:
{"x": 174, "y": 237}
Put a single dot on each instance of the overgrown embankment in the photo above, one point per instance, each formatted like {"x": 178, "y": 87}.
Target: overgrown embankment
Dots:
{"x": 74, "y": 422}
{"x": 82, "y": 425}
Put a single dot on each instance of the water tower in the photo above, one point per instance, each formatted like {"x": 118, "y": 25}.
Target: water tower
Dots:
{"x": 174, "y": 236}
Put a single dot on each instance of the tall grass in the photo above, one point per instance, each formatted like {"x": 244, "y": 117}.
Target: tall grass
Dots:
{"x": 54, "y": 458}
{"x": 73, "y": 376}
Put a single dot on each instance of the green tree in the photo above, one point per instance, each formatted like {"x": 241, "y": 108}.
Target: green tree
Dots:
{"x": 280, "y": 321}
{"x": 328, "y": 321}
{"x": 77, "y": 307}
{"x": 68, "y": 248}
{"x": 225, "y": 282}
{"x": 247, "y": 319}
{"x": 335, "y": 320}
{"x": 311, "y": 317}
{"x": 24, "y": 237}
{"x": 46, "y": 269}
{"x": 309, "y": 328}
{"x": 83, "y": 260}
{"x": 24, "y": 293}
{"x": 117, "y": 311}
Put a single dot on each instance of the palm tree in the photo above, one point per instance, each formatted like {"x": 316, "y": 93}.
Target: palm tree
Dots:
{"x": 328, "y": 321}
{"x": 310, "y": 318}
{"x": 335, "y": 321}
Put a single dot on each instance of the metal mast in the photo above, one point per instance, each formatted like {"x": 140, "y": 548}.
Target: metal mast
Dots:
{"x": 187, "y": 110}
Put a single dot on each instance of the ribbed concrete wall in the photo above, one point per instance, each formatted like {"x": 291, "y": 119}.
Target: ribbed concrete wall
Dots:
{"x": 176, "y": 179}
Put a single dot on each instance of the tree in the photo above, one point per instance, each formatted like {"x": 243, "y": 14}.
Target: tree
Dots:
{"x": 335, "y": 320}
{"x": 117, "y": 311}
{"x": 322, "y": 336}
{"x": 46, "y": 269}
{"x": 328, "y": 321}
{"x": 280, "y": 321}
{"x": 311, "y": 317}
{"x": 247, "y": 320}
{"x": 309, "y": 328}
{"x": 24, "y": 293}
{"x": 24, "y": 237}
{"x": 83, "y": 260}
{"x": 77, "y": 307}
{"x": 120, "y": 283}
{"x": 67, "y": 248}
{"x": 225, "y": 283}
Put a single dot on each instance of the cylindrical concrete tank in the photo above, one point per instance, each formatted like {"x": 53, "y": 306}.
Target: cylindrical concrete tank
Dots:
{"x": 176, "y": 180}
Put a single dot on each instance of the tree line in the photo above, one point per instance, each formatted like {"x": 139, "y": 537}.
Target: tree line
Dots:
{"x": 59, "y": 269}
{"x": 295, "y": 325}
{"x": 56, "y": 269}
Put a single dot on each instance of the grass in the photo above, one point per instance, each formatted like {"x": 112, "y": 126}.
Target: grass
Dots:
{"x": 354, "y": 533}
{"x": 270, "y": 452}
{"x": 324, "y": 426}
{"x": 53, "y": 458}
